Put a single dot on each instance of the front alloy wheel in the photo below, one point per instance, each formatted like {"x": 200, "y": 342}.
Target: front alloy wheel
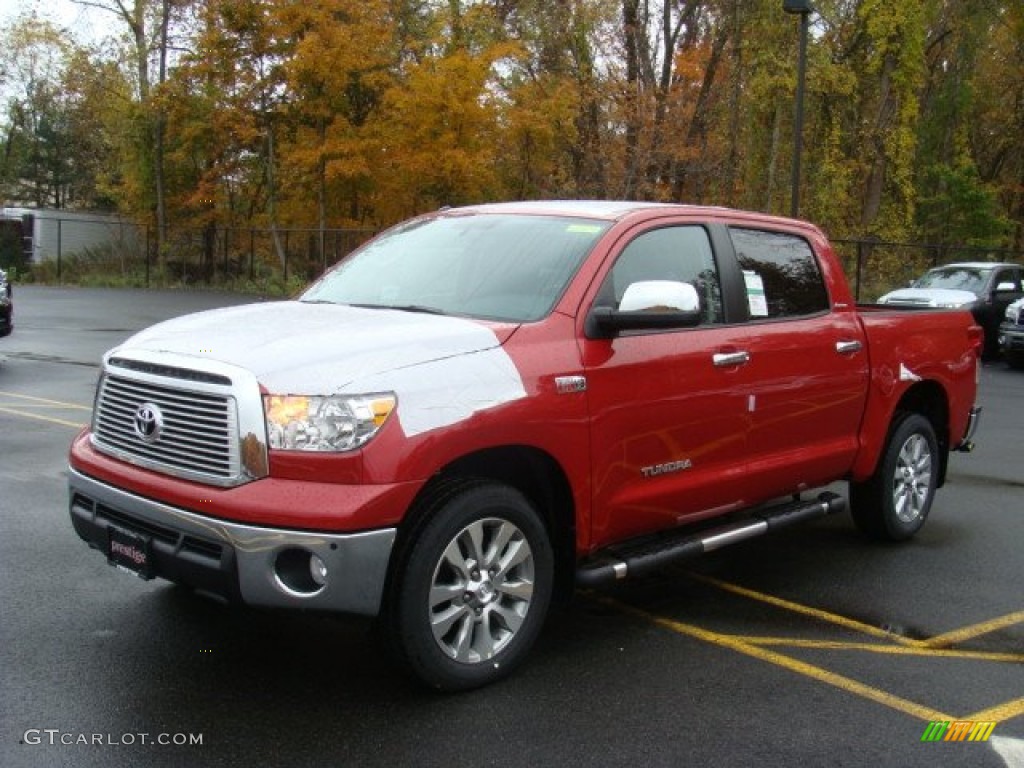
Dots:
{"x": 482, "y": 590}
{"x": 471, "y": 585}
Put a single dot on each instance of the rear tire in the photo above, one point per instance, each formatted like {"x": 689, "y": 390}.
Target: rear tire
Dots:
{"x": 894, "y": 503}
{"x": 472, "y": 587}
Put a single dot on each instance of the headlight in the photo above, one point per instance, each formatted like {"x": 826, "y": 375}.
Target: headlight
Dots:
{"x": 336, "y": 423}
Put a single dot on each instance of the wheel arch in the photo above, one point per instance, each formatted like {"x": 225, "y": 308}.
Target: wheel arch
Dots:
{"x": 532, "y": 472}
{"x": 927, "y": 398}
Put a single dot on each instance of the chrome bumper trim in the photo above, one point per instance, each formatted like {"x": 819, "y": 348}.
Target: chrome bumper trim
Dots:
{"x": 356, "y": 563}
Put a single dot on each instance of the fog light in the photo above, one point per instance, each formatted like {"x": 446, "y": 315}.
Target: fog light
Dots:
{"x": 318, "y": 570}
{"x": 300, "y": 572}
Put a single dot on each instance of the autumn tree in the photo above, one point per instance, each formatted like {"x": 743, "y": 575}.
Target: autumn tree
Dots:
{"x": 340, "y": 70}
{"x": 554, "y": 99}
{"x": 319, "y": 114}
{"x": 147, "y": 25}
{"x": 437, "y": 134}
{"x": 993, "y": 124}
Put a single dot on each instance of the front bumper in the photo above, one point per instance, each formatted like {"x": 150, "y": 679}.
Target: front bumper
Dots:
{"x": 252, "y": 564}
{"x": 1011, "y": 338}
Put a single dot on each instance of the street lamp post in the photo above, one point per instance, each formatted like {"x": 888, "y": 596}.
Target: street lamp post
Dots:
{"x": 802, "y": 7}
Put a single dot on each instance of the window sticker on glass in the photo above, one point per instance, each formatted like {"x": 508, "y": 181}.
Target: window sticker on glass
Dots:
{"x": 755, "y": 294}
{"x": 588, "y": 229}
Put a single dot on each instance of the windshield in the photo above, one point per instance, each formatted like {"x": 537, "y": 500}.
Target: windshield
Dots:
{"x": 955, "y": 278}
{"x": 490, "y": 266}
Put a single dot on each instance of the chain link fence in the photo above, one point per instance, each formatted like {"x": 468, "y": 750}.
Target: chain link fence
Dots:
{"x": 84, "y": 250}
{"x": 95, "y": 250}
{"x": 213, "y": 256}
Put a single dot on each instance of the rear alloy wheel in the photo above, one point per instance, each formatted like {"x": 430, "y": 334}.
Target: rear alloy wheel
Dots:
{"x": 894, "y": 503}
{"x": 474, "y": 589}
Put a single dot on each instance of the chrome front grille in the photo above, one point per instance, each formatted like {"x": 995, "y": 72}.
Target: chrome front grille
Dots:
{"x": 171, "y": 428}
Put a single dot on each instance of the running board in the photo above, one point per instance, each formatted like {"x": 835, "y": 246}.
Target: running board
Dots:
{"x": 639, "y": 557}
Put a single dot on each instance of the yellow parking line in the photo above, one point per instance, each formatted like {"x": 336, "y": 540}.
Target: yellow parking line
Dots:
{"x": 807, "y": 670}
{"x": 999, "y": 713}
{"x": 892, "y": 650}
{"x": 62, "y": 422}
{"x": 831, "y": 618}
{"x": 975, "y": 630}
{"x": 60, "y": 403}
{"x": 44, "y": 406}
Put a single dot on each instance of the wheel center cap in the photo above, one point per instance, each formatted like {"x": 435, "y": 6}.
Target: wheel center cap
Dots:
{"x": 485, "y": 593}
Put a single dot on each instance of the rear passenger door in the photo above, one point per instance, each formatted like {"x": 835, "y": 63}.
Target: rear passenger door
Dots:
{"x": 807, "y": 367}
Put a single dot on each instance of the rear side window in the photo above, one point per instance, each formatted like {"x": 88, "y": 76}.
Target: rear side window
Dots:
{"x": 1010, "y": 276}
{"x": 781, "y": 274}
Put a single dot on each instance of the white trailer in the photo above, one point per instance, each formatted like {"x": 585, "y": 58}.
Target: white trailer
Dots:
{"x": 52, "y": 234}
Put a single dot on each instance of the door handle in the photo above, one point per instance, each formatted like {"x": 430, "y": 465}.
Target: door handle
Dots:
{"x": 848, "y": 347}
{"x": 729, "y": 359}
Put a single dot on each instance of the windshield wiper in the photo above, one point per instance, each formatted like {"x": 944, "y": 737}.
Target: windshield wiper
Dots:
{"x": 419, "y": 308}
{"x": 403, "y": 308}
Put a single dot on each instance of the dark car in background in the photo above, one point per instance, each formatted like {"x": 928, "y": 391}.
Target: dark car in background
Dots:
{"x": 1011, "y": 335}
{"x": 6, "y": 305}
{"x": 985, "y": 288}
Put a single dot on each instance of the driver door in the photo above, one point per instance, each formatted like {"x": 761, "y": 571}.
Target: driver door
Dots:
{"x": 669, "y": 426}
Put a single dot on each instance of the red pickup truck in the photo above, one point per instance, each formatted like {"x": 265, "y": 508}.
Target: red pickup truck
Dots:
{"x": 485, "y": 406}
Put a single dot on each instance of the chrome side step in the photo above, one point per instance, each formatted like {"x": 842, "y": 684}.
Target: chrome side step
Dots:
{"x": 634, "y": 558}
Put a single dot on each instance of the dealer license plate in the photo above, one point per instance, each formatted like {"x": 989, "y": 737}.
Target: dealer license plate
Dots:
{"x": 130, "y": 552}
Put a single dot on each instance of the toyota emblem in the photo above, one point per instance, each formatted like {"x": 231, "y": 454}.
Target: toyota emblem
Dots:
{"x": 148, "y": 422}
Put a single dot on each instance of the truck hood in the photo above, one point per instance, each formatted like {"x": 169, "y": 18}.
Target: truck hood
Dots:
{"x": 301, "y": 348}
{"x": 929, "y": 297}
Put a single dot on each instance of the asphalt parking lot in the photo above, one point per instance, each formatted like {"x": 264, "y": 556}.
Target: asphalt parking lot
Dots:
{"x": 810, "y": 647}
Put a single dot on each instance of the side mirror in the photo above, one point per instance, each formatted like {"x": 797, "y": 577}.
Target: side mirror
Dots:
{"x": 648, "y": 305}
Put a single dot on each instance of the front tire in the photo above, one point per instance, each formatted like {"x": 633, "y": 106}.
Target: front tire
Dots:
{"x": 894, "y": 503}
{"x": 473, "y": 587}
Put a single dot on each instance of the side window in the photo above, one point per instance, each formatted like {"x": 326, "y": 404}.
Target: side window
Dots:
{"x": 781, "y": 274}
{"x": 1010, "y": 276}
{"x": 680, "y": 254}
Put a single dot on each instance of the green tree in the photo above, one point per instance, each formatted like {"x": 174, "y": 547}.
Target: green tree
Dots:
{"x": 995, "y": 125}
{"x": 148, "y": 25}
{"x": 60, "y": 126}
